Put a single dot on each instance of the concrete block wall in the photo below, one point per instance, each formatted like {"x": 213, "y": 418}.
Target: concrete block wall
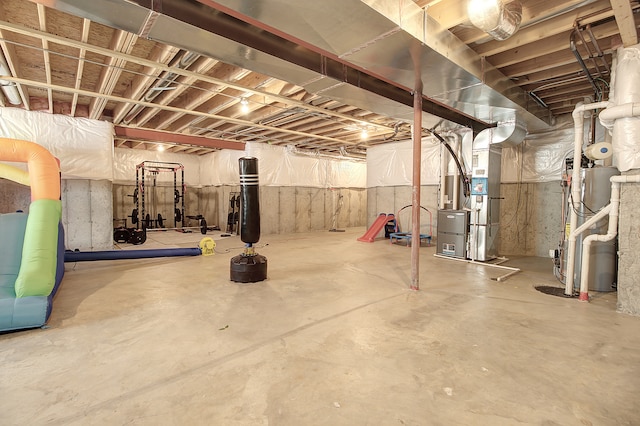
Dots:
{"x": 86, "y": 210}
{"x": 530, "y": 214}
{"x": 628, "y": 249}
{"x": 291, "y": 209}
{"x": 282, "y": 209}
{"x": 87, "y": 214}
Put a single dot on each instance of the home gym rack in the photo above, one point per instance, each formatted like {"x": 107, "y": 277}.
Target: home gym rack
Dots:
{"x": 147, "y": 218}
{"x": 154, "y": 168}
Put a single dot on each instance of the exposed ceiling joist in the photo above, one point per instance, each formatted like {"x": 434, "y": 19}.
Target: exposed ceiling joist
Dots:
{"x": 64, "y": 61}
{"x": 624, "y": 18}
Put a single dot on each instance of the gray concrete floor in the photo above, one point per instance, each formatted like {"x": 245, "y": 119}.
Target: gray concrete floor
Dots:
{"x": 333, "y": 337}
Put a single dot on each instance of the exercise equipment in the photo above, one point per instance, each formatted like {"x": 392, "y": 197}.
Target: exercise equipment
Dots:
{"x": 145, "y": 215}
{"x": 396, "y": 234}
{"x": 233, "y": 212}
{"x": 249, "y": 266}
{"x": 151, "y": 218}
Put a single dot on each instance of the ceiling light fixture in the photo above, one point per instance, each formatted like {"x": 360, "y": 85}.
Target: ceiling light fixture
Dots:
{"x": 244, "y": 105}
{"x": 364, "y": 134}
{"x": 160, "y": 148}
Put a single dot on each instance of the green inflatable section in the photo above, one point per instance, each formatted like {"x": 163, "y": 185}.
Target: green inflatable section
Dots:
{"x": 39, "y": 253}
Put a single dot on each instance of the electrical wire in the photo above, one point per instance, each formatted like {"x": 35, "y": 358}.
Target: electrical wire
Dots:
{"x": 464, "y": 179}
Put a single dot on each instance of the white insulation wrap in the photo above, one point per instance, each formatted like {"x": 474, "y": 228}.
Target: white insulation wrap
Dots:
{"x": 126, "y": 160}
{"x": 626, "y": 89}
{"x": 279, "y": 166}
{"x": 83, "y": 146}
{"x": 392, "y": 164}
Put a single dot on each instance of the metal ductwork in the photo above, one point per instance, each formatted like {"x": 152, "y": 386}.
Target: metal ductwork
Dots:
{"x": 9, "y": 88}
{"x": 360, "y": 52}
{"x": 495, "y": 17}
{"x": 506, "y": 133}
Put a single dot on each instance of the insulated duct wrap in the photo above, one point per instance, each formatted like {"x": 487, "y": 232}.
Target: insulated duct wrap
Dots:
{"x": 626, "y": 90}
{"x": 496, "y": 18}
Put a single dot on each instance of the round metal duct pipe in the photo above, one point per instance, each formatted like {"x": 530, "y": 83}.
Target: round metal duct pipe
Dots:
{"x": 495, "y": 17}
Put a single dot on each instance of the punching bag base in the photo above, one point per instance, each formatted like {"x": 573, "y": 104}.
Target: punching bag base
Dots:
{"x": 248, "y": 269}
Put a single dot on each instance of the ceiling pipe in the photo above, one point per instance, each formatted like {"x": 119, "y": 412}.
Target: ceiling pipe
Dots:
{"x": 162, "y": 84}
{"x": 9, "y": 88}
{"x": 496, "y": 18}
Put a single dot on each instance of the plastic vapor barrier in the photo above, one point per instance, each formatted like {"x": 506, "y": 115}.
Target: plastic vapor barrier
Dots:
{"x": 280, "y": 166}
{"x": 540, "y": 158}
{"x": 391, "y": 164}
{"x": 126, "y": 160}
{"x": 83, "y": 146}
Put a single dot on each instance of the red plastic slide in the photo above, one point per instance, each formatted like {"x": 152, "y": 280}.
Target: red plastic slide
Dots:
{"x": 372, "y": 232}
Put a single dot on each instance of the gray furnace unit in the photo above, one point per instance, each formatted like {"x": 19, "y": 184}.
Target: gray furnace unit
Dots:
{"x": 453, "y": 228}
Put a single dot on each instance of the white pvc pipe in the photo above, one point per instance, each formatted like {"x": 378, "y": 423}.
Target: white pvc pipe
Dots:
{"x": 443, "y": 175}
{"x": 612, "y": 231}
{"x": 611, "y": 114}
{"x": 576, "y": 186}
{"x": 592, "y": 220}
{"x": 492, "y": 265}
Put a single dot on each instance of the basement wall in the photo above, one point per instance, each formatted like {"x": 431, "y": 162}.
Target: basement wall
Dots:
{"x": 628, "y": 249}
{"x": 531, "y": 205}
{"x": 85, "y": 150}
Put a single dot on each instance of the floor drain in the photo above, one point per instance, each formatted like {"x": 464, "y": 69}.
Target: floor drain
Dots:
{"x": 553, "y": 291}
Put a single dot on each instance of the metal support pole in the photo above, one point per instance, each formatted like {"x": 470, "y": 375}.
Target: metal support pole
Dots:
{"x": 415, "y": 199}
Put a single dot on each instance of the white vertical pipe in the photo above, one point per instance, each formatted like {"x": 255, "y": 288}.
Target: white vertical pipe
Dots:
{"x": 444, "y": 157}
{"x": 576, "y": 186}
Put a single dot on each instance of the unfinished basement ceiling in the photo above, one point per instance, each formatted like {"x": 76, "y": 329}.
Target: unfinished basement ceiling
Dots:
{"x": 164, "y": 70}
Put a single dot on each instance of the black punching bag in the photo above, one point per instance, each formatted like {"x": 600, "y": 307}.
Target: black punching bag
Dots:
{"x": 249, "y": 267}
{"x": 249, "y": 200}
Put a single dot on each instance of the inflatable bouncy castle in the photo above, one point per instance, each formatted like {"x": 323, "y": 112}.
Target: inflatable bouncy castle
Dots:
{"x": 32, "y": 243}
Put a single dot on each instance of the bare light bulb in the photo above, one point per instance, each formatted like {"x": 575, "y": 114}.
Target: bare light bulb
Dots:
{"x": 244, "y": 106}
{"x": 364, "y": 134}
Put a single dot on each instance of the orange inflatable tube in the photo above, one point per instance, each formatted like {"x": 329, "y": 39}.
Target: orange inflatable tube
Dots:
{"x": 44, "y": 171}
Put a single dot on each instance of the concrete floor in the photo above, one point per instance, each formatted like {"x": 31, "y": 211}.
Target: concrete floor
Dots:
{"x": 333, "y": 337}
